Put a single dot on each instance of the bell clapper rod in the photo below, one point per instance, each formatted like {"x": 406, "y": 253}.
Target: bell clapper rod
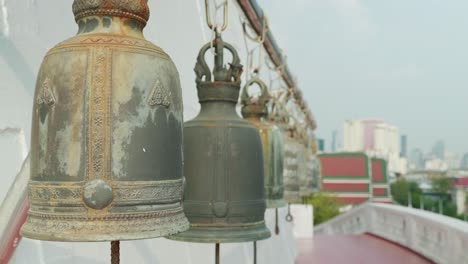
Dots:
{"x": 255, "y": 252}
{"x": 217, "y": 254}
{"x": 115, "y": 252}
{"x": 289, "y": 216}
{"x": 276, "y": 222}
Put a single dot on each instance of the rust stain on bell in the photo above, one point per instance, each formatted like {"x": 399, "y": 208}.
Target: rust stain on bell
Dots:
{"x": 106, "y": 146}
{"x": 255, "y": 110}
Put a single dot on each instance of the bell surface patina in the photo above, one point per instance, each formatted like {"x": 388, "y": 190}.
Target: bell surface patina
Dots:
{"x": 223, "y": 162}
{"x": 255, "y": 110}
{"x": 313, "y": 165}
{"x": 292, "y": 167}
{"x": 106, "y": 144}
{"x": 303, "y": 159}
{"x": 281, "y": 117}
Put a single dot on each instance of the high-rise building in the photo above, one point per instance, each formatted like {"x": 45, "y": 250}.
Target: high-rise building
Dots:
{"x": 334, "y": 141}
{"x": 321, "y": 145}
{"x": 416, "y": 159}
{"x": 377, "y": 139}
{"x": 464, "y": 161}
{"x": 438, "y": 150}
{"x": 403, "y": 146}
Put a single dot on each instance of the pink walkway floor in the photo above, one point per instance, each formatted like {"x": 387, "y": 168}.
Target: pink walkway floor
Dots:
{"x": 354, "y": 249}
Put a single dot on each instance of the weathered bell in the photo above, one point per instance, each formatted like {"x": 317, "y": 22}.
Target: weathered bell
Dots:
{"x": 293, "y": 155}
{"x": 313, "y": 165}
{"x": 280, "y": 116}
{"x": 106, "y": 147}
{"x": 255, "y": 110}
{"x": 224, "y": 197}
{"x": 302, "y": 153}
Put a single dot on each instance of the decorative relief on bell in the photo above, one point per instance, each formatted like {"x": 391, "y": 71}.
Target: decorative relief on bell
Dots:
{"x": 46, "y": 95}
{"x": 160, "y": 95}
{"x": 97, "y": 194}
{"x": 135, "y": 9}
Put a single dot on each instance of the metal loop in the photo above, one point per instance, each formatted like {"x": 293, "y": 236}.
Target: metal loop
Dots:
{"x": 260, "y": 38}
{"x": 208, "y": 16}
{"x": 264, "y": 96}
{"x": 257, "y": 69}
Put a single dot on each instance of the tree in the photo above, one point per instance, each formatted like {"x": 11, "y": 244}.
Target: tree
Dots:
{"x": 325, "y": 207}
{"x": 402, "y": 188}
{"x": 441, "y": 185}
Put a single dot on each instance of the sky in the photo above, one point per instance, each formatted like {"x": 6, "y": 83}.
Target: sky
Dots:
{"x": 405, "y": 61}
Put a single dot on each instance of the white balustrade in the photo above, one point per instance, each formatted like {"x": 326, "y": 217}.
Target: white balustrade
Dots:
{"x": 440, "y": 238}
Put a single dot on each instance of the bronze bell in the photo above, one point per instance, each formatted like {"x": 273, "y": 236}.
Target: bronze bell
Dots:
{"x": 106, "y": 147}
{"x": 303, "y": 160}
{"x": 223, "y": 162}
{"x": 280, "y": 116}
{"x": 255, "y": 110}
{"x": 292, "y": 173}
{"x": 313, "y": 165}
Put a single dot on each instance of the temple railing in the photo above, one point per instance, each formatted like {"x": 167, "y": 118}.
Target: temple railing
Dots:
{"x": 440, "y": 238}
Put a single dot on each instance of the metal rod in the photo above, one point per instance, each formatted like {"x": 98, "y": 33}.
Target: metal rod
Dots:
{"x": 276, "y": 222}
{"x": 255, "y": 252}
{"x": 410, "y": 200}
{"x": 217, "y": 254}
{"x": 289, "y": 216}
{"x": 115, "y": 252}
{"x": 441, "y": 210}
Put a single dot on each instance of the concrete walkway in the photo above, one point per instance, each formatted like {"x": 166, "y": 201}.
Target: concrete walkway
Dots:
{"x": 354, "y": 249}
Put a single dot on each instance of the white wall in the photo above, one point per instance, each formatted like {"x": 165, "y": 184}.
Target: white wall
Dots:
{"x": 28, "y": 28}
{"x": 440, "y": 238}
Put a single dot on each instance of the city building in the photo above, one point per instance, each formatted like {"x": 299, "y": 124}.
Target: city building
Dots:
{"x": 334, "y": 141}
{"x": 459, "y": 194}
{"x": 464, "y": 161}
{"x": 403, "y": 146}
{"x": 416, "y": 159}
{"x": 354, "y": 177}
{"x": 438, "y": 150}
{"x": 376, "y": 138}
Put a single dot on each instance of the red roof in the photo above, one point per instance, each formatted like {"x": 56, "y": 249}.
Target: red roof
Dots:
{"x": 460, "y": 181}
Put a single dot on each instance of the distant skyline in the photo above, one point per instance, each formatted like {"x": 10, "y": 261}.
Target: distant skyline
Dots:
{"x": 403, "y": 61}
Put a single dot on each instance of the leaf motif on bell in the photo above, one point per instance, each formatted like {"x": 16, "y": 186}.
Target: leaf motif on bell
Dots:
{"x": 159, "y": 95}
{"x": 45, "y": 95}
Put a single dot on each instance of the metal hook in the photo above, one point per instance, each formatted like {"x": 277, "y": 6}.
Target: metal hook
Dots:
{"x": 208, "y": 16}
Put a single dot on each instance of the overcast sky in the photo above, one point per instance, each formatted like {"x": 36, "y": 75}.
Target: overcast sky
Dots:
{"x": 405, "y": 61}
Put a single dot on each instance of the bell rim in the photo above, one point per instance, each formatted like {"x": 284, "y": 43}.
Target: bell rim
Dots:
{"x": 275, "y": 203}
{"x": 227, "y": 234}
{"x": 169, "y": 225}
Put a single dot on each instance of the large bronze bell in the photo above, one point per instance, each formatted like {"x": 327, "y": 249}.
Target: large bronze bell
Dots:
{"x": 106, "y": 147}
{"x": 224, "y": 197}
{"x": 255, "y": 110}
{"x": 302, "y": 153}
{"x": 293, "y": 169}
{"x": 313, "y": 165}
{"x": 280, "y": 116}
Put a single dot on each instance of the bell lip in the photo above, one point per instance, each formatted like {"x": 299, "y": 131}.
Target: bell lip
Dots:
{"x": 178, "y": 223}
{"x": 228, "y": 234}
{"x": 278, "y": 203}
